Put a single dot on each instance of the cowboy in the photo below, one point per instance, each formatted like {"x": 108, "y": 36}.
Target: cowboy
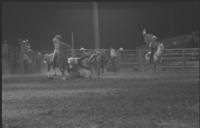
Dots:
{"x": 56, "y": 41}
{"x": 152, "y": 42}
{"x": 84, "y": 51}
{"x": 113, "y": 55}
{"x": 59, "y": 45}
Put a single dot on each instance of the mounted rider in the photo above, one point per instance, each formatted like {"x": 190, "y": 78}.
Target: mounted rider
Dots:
{"x": 59, "y": 45}
{"x": 152, "y": 42}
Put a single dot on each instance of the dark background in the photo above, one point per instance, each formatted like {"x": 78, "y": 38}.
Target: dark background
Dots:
{"x": 121, "y": 23}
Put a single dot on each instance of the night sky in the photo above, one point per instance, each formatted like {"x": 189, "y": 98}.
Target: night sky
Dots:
{"x": 121, "y": 23}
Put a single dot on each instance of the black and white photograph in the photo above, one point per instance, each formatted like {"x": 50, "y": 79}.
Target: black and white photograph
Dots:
{"x": 98, "y": 64}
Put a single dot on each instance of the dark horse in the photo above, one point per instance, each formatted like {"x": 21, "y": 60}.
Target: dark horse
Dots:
{"x": 94, "y": 62}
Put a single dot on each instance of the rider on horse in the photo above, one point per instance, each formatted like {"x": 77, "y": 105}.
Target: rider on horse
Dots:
{"x": 151, "y": 40}
{"x": 58, "y": 45}
{"x": 60, "y": 55}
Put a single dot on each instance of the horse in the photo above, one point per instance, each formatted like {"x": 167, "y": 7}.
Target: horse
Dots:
{"x": 157, "y": 57}
{"x": 97, "y": 62}
{"x": 60, "y": 60}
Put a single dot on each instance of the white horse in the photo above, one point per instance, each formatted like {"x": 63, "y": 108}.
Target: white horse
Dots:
{"x": 157, "y": 57}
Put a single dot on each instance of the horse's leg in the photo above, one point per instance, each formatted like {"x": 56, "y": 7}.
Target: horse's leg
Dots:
{"x": 145, "y": 66}
{"x": 69, "y": 71}
{"x": 25, "y": 67}
{"x": 98, "y": 70}
{"x": 102, "y": 71}
{"x": 147, "y": 63}
{"x": 90, "y": 73}
{"x": 54, "y": 70}
{"x": 91, "y": 70}
{"x": 48, "y": 71}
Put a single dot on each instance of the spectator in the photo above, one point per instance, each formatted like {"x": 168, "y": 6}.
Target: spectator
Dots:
{"x": 113, "y": 57}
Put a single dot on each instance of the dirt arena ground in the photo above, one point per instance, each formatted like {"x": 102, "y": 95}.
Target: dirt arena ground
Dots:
{"x": 122, "y": 100}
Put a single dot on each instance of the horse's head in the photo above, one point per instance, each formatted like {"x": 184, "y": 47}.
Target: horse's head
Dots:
{"x": 161, "y": 46}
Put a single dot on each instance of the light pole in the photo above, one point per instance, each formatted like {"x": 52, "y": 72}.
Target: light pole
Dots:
{"x": 96, "y": 26}
{"x": 171, "y": 21}
{"x": 73, "y": 52}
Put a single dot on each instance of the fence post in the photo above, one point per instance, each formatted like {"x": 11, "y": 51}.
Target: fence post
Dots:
{"x": 183, "y": 58}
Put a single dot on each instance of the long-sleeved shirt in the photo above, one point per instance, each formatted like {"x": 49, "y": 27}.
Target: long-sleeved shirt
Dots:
{"x": 151, "y": 40}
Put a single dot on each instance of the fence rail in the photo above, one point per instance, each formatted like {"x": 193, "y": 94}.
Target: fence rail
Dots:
{"x": 172, "y": 58}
